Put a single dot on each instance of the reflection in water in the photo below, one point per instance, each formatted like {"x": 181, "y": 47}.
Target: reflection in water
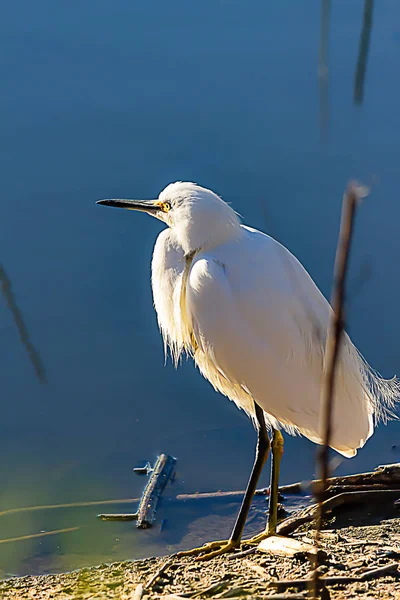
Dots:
{"x": 323, "y": 70}
{"x": 359, "y": 77}
{"x": 33, "y": 536}
{"x": 22, "y": 328}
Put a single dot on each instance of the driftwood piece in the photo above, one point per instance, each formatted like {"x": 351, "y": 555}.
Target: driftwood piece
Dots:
{"x": 145, "y": 516}
{"x": 289, "y": 547}
{"x": 387, "y": 476}
{"x": 162, "y": 473}
{"x": 347, "y": 498}
{"x": 334, "y": 579}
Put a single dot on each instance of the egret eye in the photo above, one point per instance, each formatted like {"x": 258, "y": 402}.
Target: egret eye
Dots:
{"x": 166, "y": 207}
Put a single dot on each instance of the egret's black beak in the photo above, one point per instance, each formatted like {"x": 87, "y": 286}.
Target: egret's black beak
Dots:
{"x": 148, "y": 206}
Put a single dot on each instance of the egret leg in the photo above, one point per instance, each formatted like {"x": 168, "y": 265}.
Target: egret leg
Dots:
{"x": 212, "y": 549}
{"x": 277, "y": 451}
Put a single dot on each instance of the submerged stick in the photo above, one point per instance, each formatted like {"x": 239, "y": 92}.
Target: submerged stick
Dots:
{"x": 33, "y": 536}
{"x": 10, "y": 511}
{"x": 162, "y": 473}
{"x": 145, "y": 515}
{"x": 119, "y": 517}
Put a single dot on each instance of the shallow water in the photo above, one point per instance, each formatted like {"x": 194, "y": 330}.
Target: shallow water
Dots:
{"x": 119, "y": 99}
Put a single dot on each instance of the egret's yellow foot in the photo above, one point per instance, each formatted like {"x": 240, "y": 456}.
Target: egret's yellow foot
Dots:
{"x": 256, "y": 539}
{"x": 211, "y": 549}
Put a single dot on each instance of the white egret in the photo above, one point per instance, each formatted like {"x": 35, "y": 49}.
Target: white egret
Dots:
{"x": 255, "y": 324}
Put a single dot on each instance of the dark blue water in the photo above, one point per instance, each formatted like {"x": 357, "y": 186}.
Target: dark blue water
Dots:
{"x": 108, "y": 99}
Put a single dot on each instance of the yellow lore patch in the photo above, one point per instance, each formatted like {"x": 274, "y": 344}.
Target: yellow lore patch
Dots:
{"x": 165, "y": 206}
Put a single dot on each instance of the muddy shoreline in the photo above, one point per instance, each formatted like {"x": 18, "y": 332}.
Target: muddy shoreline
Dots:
{"x": 359, "y": 548}
{"x": 370, "y": 545}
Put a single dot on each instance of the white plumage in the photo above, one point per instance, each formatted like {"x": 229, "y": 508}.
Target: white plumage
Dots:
{"x": 255, "y": 322}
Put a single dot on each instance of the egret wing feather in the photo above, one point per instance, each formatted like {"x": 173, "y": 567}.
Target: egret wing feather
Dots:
{"x": 261, "y": 324}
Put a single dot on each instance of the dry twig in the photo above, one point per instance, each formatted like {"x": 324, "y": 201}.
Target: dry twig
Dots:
{"x": 157, "y": 575}
{"x": 335, "y": 332}
{"x": 347, "y": 498}
{"x": 334, "y": 579}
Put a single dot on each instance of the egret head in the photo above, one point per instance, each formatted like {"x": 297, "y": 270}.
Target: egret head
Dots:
{"x": 198, "y": 217}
